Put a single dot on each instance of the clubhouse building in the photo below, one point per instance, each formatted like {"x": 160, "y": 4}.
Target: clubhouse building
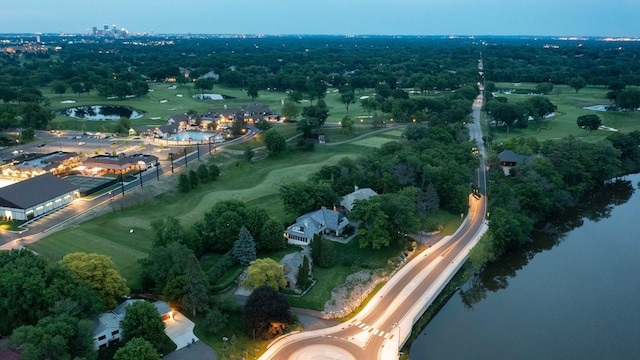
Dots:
{"x": 36, "y": 196}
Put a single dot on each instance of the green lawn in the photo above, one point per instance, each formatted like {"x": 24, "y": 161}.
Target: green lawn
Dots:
{"x": 255, "y": 183}
{"x": 351, "y": 259}
{"x": 570, "y": 105}
{"x": 163, "y": 102}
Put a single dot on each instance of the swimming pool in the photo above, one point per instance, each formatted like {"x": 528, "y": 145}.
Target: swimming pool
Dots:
{"x": 191, "y": 135}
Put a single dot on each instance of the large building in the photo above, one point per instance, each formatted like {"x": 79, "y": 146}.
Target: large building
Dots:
{"x": 36, "y": 196}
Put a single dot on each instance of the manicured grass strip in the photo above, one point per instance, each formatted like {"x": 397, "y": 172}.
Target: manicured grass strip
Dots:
{"x": 570, "y": 106}
{"x": 373, "y": 141}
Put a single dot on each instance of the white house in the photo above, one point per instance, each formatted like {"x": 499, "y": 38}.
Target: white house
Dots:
{"x": 320, "y": 221}
{"x": 359, "y": 194}
{"x": 107, "y": 330}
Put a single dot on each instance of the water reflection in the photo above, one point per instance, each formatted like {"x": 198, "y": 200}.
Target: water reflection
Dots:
{"x": 102, "y": 112}
{"x": 595, "y": 206}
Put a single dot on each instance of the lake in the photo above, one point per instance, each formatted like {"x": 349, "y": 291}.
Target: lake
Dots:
{"x": 102, "y": 112}
{"x": 574, "y": 295}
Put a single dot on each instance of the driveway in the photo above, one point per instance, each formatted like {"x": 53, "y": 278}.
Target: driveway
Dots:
{"x": 180, "y": 330}
{"x": 195, "y": 351}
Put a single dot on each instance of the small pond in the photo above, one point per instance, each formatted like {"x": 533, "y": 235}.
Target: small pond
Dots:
{"x": 102, "y": 112}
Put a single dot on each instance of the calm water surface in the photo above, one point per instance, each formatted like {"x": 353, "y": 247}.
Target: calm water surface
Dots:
{"x": 570, "y": 296}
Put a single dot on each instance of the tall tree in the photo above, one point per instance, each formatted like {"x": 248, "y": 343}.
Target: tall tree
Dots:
{"x": 184, "y": 184}
{"x": 252, "y": 91}
{"x": 244, "y": 249}
{"x": 31, "y": 287}
{"x": 196, "y": 297}
{"x": 193, "y": 179}
{"x": 215, "y": 321}
{"x": 59, "y": 87}
{"x": 315, "y": 196}
{"x": 628, "y": 99}
{"x": 275, "y": 142}
{"x": 271, "y": 237}
{"x": 203, "y": 173}
{"x": 203, "y": 84}
{"x": 289, "y": 110}
{"x": 167, "y": 231}
{"x": 97, "y": 271}
{"x": 214, "y": 172}
{"x": 538, "y": 107}
{"x": 55, "y": 337}
{"x": 264, "y": 272}
{"x": 163, "y": 264}
{"x": 139, "y": 88}
{"x": 577, "y": 83}
{"x": 141, "y": 320}
{"x": 266, "y": 313}
{"x": 138, "y": 349}
{"x": 304, "y": 273}
{"x": 590, "y": 122}
{"x": 347, "y": 96}
{"x": 508, "y": 114}
{"x": 323, "y": 252}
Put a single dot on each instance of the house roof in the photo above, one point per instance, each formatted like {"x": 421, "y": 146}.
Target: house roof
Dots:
{"x": 360, "y": 194}
{"x": 180, "y": 117}
{"x": 111, "y": 319}
{"x": 314, "y": 222}
{"x": 34, "y": 191}
{"x": 255, "y": 108}
{"x": 509, "y": 156}
{"x": 162, "y": 307}
{"x": 291, "y": 263}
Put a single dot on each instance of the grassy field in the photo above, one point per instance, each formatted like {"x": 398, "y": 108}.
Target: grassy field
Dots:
{"x": 570, "y": 105}
{"x": 255, "y": 183}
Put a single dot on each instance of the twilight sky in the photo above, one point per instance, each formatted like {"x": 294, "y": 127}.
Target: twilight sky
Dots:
{"x": 618, "y": 18}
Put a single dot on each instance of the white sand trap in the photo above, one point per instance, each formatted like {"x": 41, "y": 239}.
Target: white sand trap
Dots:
{"x": 173, "y": 109}
{"x": 596, "y": 107}
{"x": 164, "y": 101}
{"x": 173, "y": 87}
{"x": 208, "y": 97}
{"x": 67, "y": 102}
{"x": 179, "y": 95}
{"x": 602, "y": 127}
{"x": 156, "y": 118}
{"x": 364, "y": 97}
{"x": 151, "y": 90}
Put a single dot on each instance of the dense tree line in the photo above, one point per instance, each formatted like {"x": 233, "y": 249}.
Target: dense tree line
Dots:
{"x": 46, "y": 306}
{"x": 554, "y": 178}
{"x": 307, "y": 66}
{"x": 431, "y": 170}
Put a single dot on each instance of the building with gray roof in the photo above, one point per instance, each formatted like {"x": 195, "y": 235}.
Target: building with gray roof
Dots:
{"x": 37, "y": 196}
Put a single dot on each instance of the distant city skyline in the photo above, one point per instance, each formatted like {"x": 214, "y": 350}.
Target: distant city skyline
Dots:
{"x": 617, "y": 18}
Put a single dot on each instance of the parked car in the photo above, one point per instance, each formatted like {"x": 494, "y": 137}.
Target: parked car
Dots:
{"x": 81, "y": 143}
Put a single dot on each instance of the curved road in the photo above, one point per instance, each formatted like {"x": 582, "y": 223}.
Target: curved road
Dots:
{"x": 381, "y": 328}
